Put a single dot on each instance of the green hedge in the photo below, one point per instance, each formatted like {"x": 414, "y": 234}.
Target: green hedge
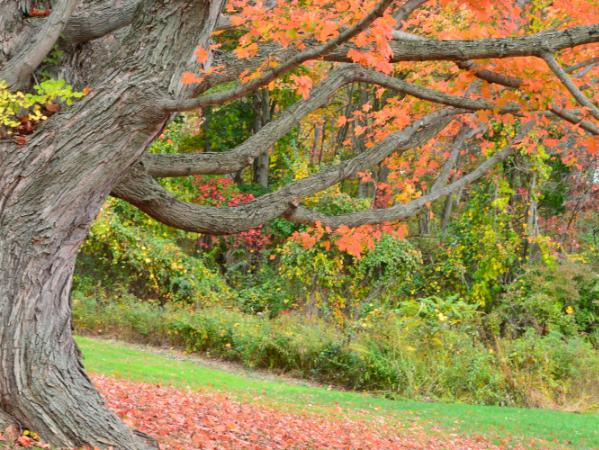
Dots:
{"x": 400, "y": 355}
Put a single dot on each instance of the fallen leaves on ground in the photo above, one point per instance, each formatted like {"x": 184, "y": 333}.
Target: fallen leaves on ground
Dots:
{"x": 184, "y": 419}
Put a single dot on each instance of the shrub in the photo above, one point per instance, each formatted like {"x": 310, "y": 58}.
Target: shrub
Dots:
{"x": 406, "y": 353}
{"x": 151, "y": 264}
{"x": 561, "y": 298}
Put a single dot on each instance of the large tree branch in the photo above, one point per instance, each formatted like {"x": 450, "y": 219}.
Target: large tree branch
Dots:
{"x": 244, "y": 154}
{"x": 19, "y": 68}
{"x": 463, "y": 50}
{"x": 487, "y": 75}
{"x": 402, "y": 211}
{"x": 290, "y": 64}
{"x": 574, "y": 119}
{"x": 141, "y": 190}
{"x": 371, "y": 76}
{"x": 566, "y": 81}
{"x": 412, "y": 47}
{"x": 99, "y": 20}
{"x": 458, "y": 51}
{"x": 514, "y": 82}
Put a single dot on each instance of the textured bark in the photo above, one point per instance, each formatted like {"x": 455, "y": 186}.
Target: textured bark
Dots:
{"x": 97, "y": 20}
{"x": 463, "y": 50}
{"x": 19, "y": 68}
{"x": 11, "y": 27}
{"x": 6, "y": 421}
{"x": 50, "y": 191}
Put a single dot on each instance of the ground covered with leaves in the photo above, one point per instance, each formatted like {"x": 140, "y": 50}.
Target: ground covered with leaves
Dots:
{"x": 185, "y": 419}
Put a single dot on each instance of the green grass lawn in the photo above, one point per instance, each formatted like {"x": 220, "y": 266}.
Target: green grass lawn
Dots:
{"x": 571, "y": 430}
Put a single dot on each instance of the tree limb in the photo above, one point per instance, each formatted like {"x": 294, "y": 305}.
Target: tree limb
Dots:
{"x": 580, "y": 65}
{"x": 405, "y": 10}
{"x": 20, "y": 67}
{"x": 455, "y": 50}
{"x": 371, "y": 76}
{"x": 566, "y": 81}
{"x": 299, "y": 58}
{"x": 244, "y": 154}
{"x": 402, "y": 211}
{"x": 574, "y": 119}
{"x": 142, "y": 191}
{"x": 99, "y": 20}
{"x": 463, "y": 50}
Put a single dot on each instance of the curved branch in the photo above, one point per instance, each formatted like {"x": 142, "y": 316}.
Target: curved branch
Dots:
{"x": 411, "y": 47}
{"x": 371, "y": 76}
{"x": 311, "y": 53}
{"x": 99, "y": 21}
{"x": 580, "y": 65}
{"x": 462, "y": 50}
{"x": 574, "y": 119}
{"x": 403, "y": 211}
{"x": 566, "y": 81}
{"x": 244, "y": 154}
{"x": 141, "y": 190}
{"x": 490, "y": 76}
{"x": 20, "y": 67}
{"x": 405, "y": 10}
{"x": 486, "y": 75}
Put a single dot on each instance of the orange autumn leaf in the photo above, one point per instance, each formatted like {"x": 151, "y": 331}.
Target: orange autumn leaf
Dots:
{"x": 190, "y": 78}
{"x": 201, "y": 54}
{"x": 303, "y": 84}
{"x": 246, "y": 52}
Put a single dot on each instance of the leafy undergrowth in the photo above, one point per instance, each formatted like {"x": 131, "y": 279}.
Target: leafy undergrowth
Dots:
{"x": 184, "y": 419}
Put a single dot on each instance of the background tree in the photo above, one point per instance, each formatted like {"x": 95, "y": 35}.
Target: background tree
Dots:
{"x": 140, "y": 62}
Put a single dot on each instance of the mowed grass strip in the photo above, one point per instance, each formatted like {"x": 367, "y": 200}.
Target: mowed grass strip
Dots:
{"x": 514, "y": 425}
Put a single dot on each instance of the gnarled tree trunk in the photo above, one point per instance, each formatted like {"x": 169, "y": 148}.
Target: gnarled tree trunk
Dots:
{"x": 51, "y": 189}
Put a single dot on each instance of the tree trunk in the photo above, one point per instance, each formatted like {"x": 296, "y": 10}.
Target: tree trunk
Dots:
{"x": 42, "y": 382}
{"x": 51, "y": 189}
{"x": 424, "y": 221}
{"x": 262, "y": 117}
{"x": 447, "y": 207}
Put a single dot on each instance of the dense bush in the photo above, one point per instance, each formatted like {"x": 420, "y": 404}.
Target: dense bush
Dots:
{"x": 150, "y": 265}
{"x": 561, "y": 297}
{"x": 433, "y": 353}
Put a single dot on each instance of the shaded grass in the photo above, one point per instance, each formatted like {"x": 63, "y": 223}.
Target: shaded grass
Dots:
{"x": 497, "y": 423}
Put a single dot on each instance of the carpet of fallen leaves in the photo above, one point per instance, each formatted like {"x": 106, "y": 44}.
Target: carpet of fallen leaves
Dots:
{"x": 184, "y": 419}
